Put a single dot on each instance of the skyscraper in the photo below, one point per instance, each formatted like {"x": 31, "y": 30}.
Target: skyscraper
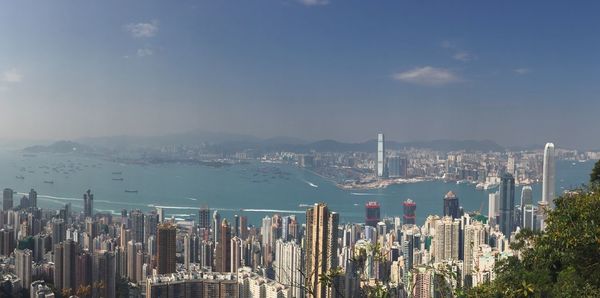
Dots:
{"x": 33, "y": 198}
{"x": 166, "y": 248}
{"x": 451, "y": 206}
{"x": 446, "y": 239}
{"x": 409, "y": 212}
{"x": 137, "y": 226}
{"x": 493, "y": 208}
{"x": 321, "y": 247}
{"x": 548, "y": 178}
{"x": 526, "y": 196}
{"x": 380, "y": 155}
{"x": 223, "y": 259}
{"x": 23, "y": 266}
{"x": 372, "y": 214}
{"x": 204, "y": 217}
{"x": 216, "y": 225}
{"x": 7, "y": 199}
{"x": 507, "y": 204}
{"x": 88, "y": 204}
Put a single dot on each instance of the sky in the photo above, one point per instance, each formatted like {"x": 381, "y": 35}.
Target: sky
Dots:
{"x": 516, "y": 72}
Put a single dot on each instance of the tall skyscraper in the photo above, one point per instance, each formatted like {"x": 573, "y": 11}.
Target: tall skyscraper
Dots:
{"x": 380, "y": 155}
{"x": 288, "y": 266}
{"x": 446, "y": 239}
{"x": 526, "y": 212}
{"x": 507, "y": 204}
{"x": 7, "y": 199}
{"x": 33, "y": 198}
{"x": 396, "y": 166}
{"x": 372, "y": 214}
{"x": 216, "y": 224}
{"x": 321, "y": 247}
{"x": 88, "y": 204}
{"x": 166, "y": 248}
{"x": 451, "y": 206}
{"x": 548, "y": 178}
{"x": 204, "y": 217}
{"x": 493, "y": 199}
{"x": 223, "y": 258}
{"x": 23, "y": 266}
{"x": 410, "y": 207}
{"x": 137, "y": 226}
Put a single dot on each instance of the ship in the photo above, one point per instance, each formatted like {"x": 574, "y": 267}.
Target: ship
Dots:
{"x": 130, "y": 191}
{"x": 117, "y": 173}
{"x": 117, "y": 179}
{"x": 20, "y": 177}
{"x": 49, "y": 181}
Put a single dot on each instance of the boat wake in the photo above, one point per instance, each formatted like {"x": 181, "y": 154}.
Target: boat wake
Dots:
{"x": 311, "y": 184}
{"x": 365, "y": 194}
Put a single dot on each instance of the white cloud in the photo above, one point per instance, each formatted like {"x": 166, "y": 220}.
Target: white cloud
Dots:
{"x": 463, "y": 56}
{"x": 428, "y": 76}
{"x": 11, "y": 76}
{"x": 144, "y": 52}
{"x": 522, "y": 71}
{"x": 459, "y": 54}
{"x": 142, "y": 30}
{"x": 314, "y": 2}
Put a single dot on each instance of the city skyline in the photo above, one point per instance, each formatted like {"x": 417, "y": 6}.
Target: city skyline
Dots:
{"x": 338, "y": 70}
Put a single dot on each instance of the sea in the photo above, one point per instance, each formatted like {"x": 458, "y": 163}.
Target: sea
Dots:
{"x": 254, "y": 189}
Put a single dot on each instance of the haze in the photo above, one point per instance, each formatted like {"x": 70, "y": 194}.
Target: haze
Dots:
{"x": 516, "y": 72}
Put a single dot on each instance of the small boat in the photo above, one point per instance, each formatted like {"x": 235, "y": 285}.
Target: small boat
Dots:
{"x": 20, "y": 177}
{"x": 49, "y": 181}
{"x": 130, "y": 191}
{"x": 117, "y": 179}
{"x": 117, "y": 173}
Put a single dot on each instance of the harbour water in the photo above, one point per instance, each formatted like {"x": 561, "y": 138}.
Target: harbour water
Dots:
{"x": 253, "y": 189}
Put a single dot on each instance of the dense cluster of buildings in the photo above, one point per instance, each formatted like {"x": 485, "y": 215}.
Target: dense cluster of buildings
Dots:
{"x": 48, "y": 253}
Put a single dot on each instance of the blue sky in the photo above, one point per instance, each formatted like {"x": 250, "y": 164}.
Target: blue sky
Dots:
{"x": 517, "y": 72}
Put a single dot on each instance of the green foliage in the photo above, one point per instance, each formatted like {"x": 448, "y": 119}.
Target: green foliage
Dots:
{"x": 595, "y": 175}
{"x": 562, "y": 261}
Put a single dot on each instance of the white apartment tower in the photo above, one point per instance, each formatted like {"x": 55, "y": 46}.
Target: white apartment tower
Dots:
{"x": 380, "y": 155}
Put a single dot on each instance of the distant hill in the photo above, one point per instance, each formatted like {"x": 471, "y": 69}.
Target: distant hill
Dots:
{"x": 226, "y": 142}
{"x": 60, "y": 147}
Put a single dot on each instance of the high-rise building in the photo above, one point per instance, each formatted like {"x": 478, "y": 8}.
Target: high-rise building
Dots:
{"x": 33, "y": 198}
{"x": 223, "y": 258}
{"x": 451, "y": 206}
{"x": 104, "y": 272}
{"x": 321, "y": 247}
{"x": 410, "y": 207}
{"x": 243, "y": 227}
{"x": 23, "y": 267}
{"x": 397, "y": 167}
{"x": 166, "y": 248}
{"x": 493, "y": 208}
{"x": 372, "y": 214}
{"x": 88, "y": 204}
{"x": 7, "y": 199}
{"x": 446, "y": 239}
{"x": 288, "y": 266}
{"x": 548, "y": 177}
{"x": 526, "y": 195}
{"x": 161, "y": 214}
{"x": 136, "y": 228}
{"x": 380, "y": 156}
{"x": 216, "y": 224}
{"x": 507, "y": 204}
{"x": 204, "y": 217}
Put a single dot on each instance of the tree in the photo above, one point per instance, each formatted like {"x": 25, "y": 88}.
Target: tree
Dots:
{"x": 595, "y": 175}
{"x": 562, "y": 261}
